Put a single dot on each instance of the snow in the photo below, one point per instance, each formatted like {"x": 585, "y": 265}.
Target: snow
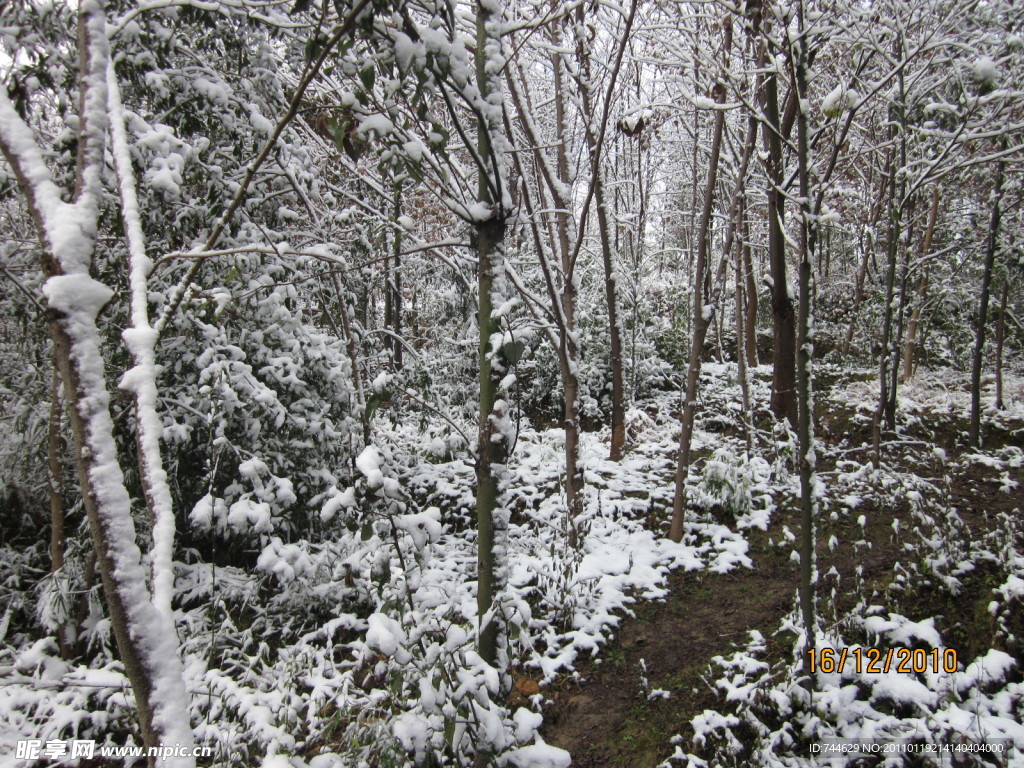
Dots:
{"x": 839, "y": 100}
{"x": 368, "y": 462}
{"x": 985, "y": 71}
{"x": 248, "y": 515}
{"x": 540, "y": 756}
{"x": 259, "y": 122}
{"x": 376, "y": 126}
{"x": 423, "y": 527}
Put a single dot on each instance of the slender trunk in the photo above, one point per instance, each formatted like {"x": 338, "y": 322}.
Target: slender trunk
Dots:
{"x": 783, "y": 402}
{"x": 867, "y": 246}
{"x": 65, "y": 639}
{"x": 986, "y": 283}
{"x": 909, "y": 344}
{"x": 805, "y": 355}
{"x": 702, "y": 311}
{"x": 492, "y": 442}
{"x": 491, "y": 450}
{"x": 395, "y": 283}
{"x": 883, "y": 357}
{"x": 742, "y": 349}
{"x": 618, "y": 417}
{"x": 1000, "y": 336}
{"x": 569, "y": 351}
{"x": 896, "y": 345}
{"x": 140, "y": 381}
{"x": 896, "y": 194}
{"x": 353, "y": 356}
{"x": 858, "y": 293}
{"x": 751, "y": 295}
{"x": 389, "y": 339}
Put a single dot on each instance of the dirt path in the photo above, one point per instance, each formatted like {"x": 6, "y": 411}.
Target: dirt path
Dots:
{"x": 608, "y": 719}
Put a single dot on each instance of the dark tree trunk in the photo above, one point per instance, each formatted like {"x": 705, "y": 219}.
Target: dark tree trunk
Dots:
{"x": 783, "y": 402}
{"x": 991, "y": 246}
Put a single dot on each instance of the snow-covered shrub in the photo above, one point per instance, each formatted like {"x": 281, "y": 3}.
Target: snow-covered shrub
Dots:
{"x": 728, "y": 482}
{"x": 769, "y": 718}
{"x": 258, "y": 421}
{"x": 66, "y": 701}
{"x": 1007, "y": 606}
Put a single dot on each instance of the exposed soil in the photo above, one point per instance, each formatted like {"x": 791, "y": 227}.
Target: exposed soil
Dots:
{"x": 607, "y": 718}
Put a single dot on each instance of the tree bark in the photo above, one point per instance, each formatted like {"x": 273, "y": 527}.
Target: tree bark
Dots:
{"x": 1000, "y": 337}
{"x": 569, "y": 351}
{"x": 783, "y": 401}
{"x": 910, "y": 343}
{"x": 885, "y": 409}
{"x": 991, "y": 246}
{"x": 492, "y": 443}
{"x": 750, "y": 292}
{"x": 395, "y": 283}
{"x": 805, "y": 354}
{"x": 867, "y": 248}
{"x": 742, "y": 342}
{"x": 702, "y": 311}
{"x": 55, "y": 490}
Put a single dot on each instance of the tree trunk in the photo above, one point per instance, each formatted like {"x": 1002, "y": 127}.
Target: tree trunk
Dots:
{"x": 805, "y": 345}
{"x": 909, "y": 344}
{"x": 867, "y": 248}
{"x": 986, "y": 283}
{"x": 1000, "y": 337}
{"x": 65, "y": 639}
{"x": 353, "y": 355}
{"x": 783, "y": 402}
{"x": 395, "y": 284}
{"x": 491, "y": 450}
{"x": 901, "y": 313}
{"x": 569, "y": 357}
{"x": 751, "y": 294}
{"x": 492, "y": 442}
{"x": 742, "y": 346}
{"x": 140, "y": 381}
{"x": 885, "y": 410}
{"x": 702, "y": 311}
{"x": 618, "y": 416}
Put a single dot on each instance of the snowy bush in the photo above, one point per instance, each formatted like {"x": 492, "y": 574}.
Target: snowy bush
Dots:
{"x": 728, "y": 483}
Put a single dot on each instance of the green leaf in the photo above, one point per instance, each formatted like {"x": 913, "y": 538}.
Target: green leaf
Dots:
{"x": 366, "y": 532}
{"x": 315, "y": 45}
{"x": 376, "y": 400}
{"x": 513, "y": 350}
{"x": 367, "y": 76}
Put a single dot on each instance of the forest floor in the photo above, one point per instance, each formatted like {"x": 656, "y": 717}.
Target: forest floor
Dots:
{"x": 615, "y": 712}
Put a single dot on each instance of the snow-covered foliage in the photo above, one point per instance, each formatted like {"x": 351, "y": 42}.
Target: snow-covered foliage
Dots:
{"x": 240, "y": 364}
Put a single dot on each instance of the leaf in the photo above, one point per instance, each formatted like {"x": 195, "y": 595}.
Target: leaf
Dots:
{"x": 443, "y": 133}
{"x": 513, "y": 350}
{"x": 367, "y": 76}
{"x": 315, "y": 45}
{"x": 376, "y": 400}
{"x": 366, "y": 532}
